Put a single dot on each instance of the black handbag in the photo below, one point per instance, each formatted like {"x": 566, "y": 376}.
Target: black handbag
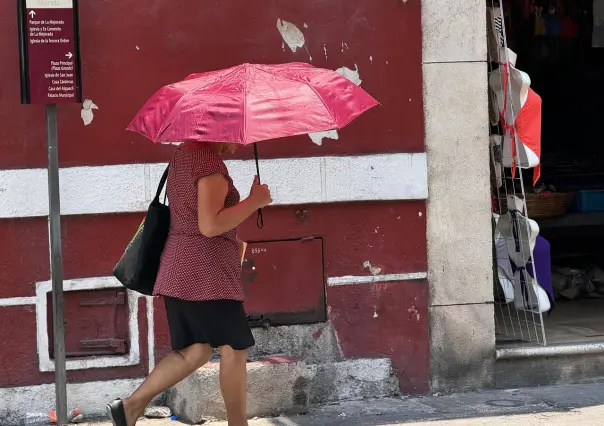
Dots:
{"x": 138, "y": 267}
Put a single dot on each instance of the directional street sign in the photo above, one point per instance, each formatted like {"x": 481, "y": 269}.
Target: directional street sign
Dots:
{"x": 50, "y": 63}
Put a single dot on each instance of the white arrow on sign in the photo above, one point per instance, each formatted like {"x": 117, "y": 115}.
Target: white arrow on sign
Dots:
{"x": 32, "y": 13}
{"x": 69, "y": 55}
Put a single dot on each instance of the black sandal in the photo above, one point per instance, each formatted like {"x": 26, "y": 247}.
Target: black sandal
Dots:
{"x": 116, "y": 413}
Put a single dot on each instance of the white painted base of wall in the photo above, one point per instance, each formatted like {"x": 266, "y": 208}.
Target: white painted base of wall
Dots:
{"x": 90, "y": 397}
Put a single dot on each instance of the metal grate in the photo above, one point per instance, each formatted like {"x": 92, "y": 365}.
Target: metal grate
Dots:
{"x": 519, "y": 301}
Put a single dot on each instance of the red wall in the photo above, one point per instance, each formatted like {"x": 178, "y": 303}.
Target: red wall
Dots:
{"x": 385, "y": 320}
{"x": 391, "y": 235}
{"x": 19, "y": 360}
{"x": 130, "y": 49}
{"x": 179, "y": 38}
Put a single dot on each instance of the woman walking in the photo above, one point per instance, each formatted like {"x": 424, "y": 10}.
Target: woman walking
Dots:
{"x": 199, "y": 278}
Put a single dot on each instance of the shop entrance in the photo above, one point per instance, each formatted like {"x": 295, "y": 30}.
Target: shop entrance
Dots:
{"x": 546, "y": 84}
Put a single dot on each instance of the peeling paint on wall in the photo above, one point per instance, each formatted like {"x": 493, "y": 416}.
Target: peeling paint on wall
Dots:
{"x": 352, "y": 75}
{"x": 414, "y": 313}
{"x": 318, "y": 137}
{"x": 375, "y": 270}
{"x": 292, "y": 36}
{"x": 87, "y": 113}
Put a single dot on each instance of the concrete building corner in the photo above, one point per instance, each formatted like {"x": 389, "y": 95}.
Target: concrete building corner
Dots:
{"x": 462, "y": 338}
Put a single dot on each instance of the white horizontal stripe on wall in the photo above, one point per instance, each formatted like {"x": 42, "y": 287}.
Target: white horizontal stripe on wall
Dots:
{"x": 130, "y": 187}
{"x": 18, "y": 301}
{"x": 367, "y": 279}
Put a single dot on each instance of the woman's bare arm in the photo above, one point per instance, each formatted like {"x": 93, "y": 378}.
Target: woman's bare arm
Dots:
{"x": 212, "y": 217}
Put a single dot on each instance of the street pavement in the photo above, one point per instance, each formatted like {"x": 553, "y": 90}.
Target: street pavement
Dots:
{"x": 558, "y": 405}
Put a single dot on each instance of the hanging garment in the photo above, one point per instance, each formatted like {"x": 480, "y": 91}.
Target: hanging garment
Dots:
{"x": 525, "y": 133}
{"x": 497, "y": 158}
{"x": 528, "y": 131}
{"x": 552, "y": 25}
{"x": 527, "y": 8}
{"x": 520, "y": 236}
{"x": 504, "y": 266}
{"x": 498, "y": 83}
{"x": 568, "y": 28}
{"x": 542, "y": 266}
{"x": 540, "y": 28}
{"x": 495, "y": 39}
{"x": 597, "y": 39}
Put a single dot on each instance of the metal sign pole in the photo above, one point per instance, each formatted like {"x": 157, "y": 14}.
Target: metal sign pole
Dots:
{"x": 56, "y": 263}
{"x": 49, "y": 59}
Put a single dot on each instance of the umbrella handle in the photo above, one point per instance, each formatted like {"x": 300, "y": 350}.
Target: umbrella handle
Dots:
{"x": 259, "y": 219}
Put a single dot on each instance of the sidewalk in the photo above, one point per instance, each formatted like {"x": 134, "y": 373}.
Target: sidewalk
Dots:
{"x": 560, "y": 405}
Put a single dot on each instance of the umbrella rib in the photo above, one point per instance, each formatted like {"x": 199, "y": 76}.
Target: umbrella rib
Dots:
{"x": 324, "y": 104}
{"x": 311, "y": 88}
{"x": 201, "y": 86}
{"x": 245, "y": 104}
{"x": 273, "y": 75}
{"x": 163, "y": 127}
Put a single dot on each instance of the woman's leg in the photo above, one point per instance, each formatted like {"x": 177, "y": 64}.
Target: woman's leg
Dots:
{"x": 233, "y": 384}
{"x": 171, "y": 370}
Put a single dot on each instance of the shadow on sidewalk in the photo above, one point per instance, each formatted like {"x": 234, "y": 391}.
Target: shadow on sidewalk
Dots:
{"x": 491, "y": 403}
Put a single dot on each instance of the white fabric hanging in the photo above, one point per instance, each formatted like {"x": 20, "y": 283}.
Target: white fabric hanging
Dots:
{"x": 504, "y": 267}
{"x": 529, "y": 296}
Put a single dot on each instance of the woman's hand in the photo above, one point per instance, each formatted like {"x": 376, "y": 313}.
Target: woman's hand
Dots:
{"x": 213, "y": 217}
{"x": 260, "y": 195}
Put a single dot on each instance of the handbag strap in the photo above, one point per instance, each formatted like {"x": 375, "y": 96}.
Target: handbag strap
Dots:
{"x": 162, "y": 183}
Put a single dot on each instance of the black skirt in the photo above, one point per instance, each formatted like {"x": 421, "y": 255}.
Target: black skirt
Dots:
{"x": 215, "y": 322}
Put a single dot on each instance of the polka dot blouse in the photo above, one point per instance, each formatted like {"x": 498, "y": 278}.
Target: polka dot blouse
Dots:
{"x": 195, "y": 267}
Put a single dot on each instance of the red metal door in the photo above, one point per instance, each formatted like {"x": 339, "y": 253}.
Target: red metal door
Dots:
{"x": 284, "y": 283}
{"x": 96, "y": 323}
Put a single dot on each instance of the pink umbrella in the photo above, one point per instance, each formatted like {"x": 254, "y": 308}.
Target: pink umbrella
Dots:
{"x": 251, "y": 103}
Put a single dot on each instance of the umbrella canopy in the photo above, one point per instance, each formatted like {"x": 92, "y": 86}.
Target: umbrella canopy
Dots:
{"x": 251, "y": 103}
